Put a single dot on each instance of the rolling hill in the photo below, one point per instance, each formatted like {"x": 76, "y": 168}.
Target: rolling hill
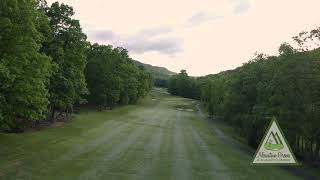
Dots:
{"x": 160, "y": 75}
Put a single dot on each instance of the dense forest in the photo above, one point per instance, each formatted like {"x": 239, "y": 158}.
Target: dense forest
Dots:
{"x": 183, "y": 85}
{"x": 286, "y": 86}
{"x": 47, "y": 66}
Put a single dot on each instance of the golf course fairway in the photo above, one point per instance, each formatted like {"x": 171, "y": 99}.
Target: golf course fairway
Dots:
{"x": 161, "y": 138}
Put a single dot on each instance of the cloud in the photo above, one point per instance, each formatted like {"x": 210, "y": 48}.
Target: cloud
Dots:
{"x": 147, "y": 40}
{"x": 240, "y": 6}
{"x": 104, "y": 35}
{"x": 154, "y": 31}
{"x": 201, "y": 17}
{"x": 164, "y": 46}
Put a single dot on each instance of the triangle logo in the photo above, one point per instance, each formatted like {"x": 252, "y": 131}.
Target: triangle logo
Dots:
{"x": 274, "y": 148}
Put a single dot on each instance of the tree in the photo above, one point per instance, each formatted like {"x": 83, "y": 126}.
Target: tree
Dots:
{"x": 113, "y": 78}
{"x": 24, "y": 72}
{"x": 285, "y": 86}
{"x": 43, "y": 56}
{"x": 183, "y": 85}
{"x": 67, "y": 49}
{"x": 286, "y": 49}
{"x": 103, "y": 83}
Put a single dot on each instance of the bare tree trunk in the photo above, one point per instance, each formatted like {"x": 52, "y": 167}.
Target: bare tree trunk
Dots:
{"x": 52, "y": 118}
{"x": 303, "y": 145}
{"x": 297, "y": 143}
{"x": 311, "y": 149}
{"x": 316, "y": 151}
{"x": 300, "y": 144}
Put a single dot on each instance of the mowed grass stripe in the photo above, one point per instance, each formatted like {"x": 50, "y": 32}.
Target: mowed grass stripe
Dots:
{"x": 182, "y": 166}
{"x": 153, "y": 140}
{"x": 117, "y": 157}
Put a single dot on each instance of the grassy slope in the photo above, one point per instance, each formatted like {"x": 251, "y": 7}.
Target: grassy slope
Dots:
{"x": 152, "y": 140}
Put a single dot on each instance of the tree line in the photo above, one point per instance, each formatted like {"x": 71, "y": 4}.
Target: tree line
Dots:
{"x": 183, "y": 85}
{"x": 47, "y": 66}
{"x": 286, "y": 86}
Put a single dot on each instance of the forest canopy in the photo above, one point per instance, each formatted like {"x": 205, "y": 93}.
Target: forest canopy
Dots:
{"x": 286, "y": 86}
{"x": 47, "y": 66}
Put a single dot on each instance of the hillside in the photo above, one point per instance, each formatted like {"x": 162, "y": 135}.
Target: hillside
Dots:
{"x": 160, "y": 75}
{"x": 156, "y": 71}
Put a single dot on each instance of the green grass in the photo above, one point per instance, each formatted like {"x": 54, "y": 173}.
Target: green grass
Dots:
{"x": 152, "y": 140}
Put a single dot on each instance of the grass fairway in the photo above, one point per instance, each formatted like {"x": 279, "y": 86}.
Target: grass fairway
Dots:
{"x": 161, "y": 138}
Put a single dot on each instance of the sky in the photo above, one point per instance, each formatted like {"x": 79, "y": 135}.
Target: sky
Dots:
{"x": 200, "y": 36}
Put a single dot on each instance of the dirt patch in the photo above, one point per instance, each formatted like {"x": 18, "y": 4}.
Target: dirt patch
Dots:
{"x": 40, "y": 125}
{"x": 185, "y": 107}
{"x": 59, "y": 124}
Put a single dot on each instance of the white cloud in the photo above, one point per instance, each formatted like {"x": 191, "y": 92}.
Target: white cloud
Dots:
{"x": 201, "y": 17}
{"x": 147, "y": 40}
{"x": 240, "y": 6}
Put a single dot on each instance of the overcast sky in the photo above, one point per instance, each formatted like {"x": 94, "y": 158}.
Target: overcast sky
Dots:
{"x": 201, "y": 36}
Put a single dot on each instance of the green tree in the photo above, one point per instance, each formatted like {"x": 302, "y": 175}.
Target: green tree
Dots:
{"x": 285, "y": 86}
{"x": 24, "y": 72}
{"x": 67, "y": 49}
{"x": 113, "y": 78}
{"x": 103, "y": 82}
{"x": 183, "y": 85}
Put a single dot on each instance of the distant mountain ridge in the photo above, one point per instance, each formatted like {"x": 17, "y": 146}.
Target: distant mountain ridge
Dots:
{"x": 157, "y": 72}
